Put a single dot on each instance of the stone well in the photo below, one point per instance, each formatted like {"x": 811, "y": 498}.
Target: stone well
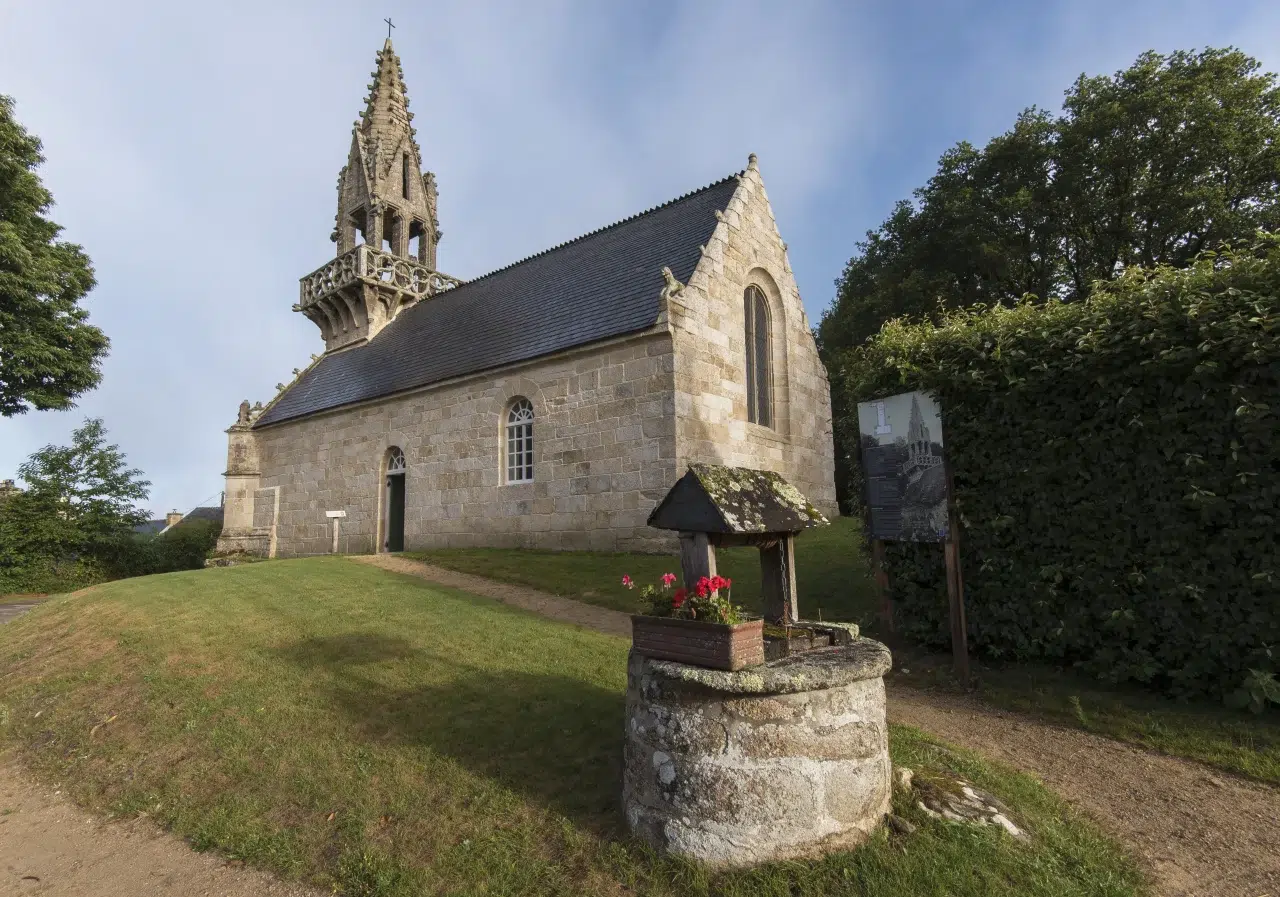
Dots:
{"x": 788, "y": 759}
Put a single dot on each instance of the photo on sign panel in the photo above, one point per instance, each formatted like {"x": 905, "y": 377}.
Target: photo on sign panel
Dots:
{"x": 902, "y": 463}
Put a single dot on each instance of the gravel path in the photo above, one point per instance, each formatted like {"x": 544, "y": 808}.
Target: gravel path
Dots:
{"x": 1198, "y": 832}
{"x": 11, "y": 610}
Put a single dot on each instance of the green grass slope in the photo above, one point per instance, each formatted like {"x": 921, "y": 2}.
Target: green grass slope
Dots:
{"x": 832, "y": 576}
{"x": 833, "y": 581}
{"x": 372, "y": 733}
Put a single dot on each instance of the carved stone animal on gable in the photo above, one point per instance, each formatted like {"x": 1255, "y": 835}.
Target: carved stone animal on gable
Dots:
{"x": 673, "y": 287}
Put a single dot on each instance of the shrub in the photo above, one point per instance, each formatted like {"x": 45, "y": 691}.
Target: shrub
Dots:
{"x": 1116, "y": 468}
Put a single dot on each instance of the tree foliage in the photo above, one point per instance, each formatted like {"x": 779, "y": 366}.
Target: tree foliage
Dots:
{"x": 79, "y": 505}
{"x": 1116, "y": 472}
{"x": 49, "y": 353}
{"x": 1145, "y": 167}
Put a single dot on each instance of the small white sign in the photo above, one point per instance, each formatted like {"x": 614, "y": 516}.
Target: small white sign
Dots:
{"x": 335, "y": 513}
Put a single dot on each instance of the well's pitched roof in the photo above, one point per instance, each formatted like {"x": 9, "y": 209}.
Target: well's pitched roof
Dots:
{"x": 601, "y": 285}
{"x": 711, "y": 498}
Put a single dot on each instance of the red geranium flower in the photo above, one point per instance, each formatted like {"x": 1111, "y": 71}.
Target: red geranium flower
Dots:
{"x": 679, "y": 597}
{"x": 702, "y": 587}
{"x": 626, "y": 581}
{"x": 668, "y": 579}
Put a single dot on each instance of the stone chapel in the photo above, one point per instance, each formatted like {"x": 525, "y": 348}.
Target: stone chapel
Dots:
{"x": 548, "y": 404}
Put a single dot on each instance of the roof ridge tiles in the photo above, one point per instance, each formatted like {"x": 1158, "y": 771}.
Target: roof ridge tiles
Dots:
{"x": 598, "y": 230}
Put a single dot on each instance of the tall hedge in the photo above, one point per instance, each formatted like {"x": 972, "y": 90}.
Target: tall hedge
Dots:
{"x": 1117, "y": 471}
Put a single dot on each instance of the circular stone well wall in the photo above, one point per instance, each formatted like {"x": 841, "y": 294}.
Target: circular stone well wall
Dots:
{"x": 789, "y": 759}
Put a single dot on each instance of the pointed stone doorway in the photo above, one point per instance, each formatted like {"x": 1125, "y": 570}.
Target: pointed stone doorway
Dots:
{"x": 393, "y": 522}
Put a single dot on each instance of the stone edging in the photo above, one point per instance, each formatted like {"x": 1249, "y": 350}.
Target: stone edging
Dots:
{"x": 810, "y": 671}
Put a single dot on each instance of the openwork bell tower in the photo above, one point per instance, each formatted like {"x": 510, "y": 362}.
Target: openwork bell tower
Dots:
{"x": 386, "y": 227}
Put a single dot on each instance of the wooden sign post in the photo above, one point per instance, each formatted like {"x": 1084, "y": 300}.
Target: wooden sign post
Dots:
{"x": 910, "y": 497}
{"x": 955, "y": 587}
{"x": 881, "y": 573}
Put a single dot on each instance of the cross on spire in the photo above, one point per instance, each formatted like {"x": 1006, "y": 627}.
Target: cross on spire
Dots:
{"x": 389, "y": 27}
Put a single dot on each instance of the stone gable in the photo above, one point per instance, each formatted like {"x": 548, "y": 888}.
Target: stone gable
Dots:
{"x": 709, "y": 337}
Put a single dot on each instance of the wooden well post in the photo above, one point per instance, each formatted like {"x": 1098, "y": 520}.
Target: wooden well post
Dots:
{"x": 697, "y": 557}
{"x": 778, "y": 580}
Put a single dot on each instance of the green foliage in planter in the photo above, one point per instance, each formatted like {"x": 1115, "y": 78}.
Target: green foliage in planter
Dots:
{"x": 1117, "y": 472}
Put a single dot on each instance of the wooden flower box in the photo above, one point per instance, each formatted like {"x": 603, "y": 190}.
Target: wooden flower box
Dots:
{"x": 718, "y": 646}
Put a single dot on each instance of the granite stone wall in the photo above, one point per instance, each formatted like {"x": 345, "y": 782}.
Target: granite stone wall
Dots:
{"x": 604, "y": 455}
{"x": 709, "y": 335}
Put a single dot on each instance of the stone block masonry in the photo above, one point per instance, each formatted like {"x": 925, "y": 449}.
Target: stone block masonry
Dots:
{"x": 604, "y": 454}
{"x": 708, "y": 326}
{"x": 780, "y": 761}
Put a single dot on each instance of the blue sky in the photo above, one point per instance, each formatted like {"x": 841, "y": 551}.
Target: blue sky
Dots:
{"x": 194, "y": 150}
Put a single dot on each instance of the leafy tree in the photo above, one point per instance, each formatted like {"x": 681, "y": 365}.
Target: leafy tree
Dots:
{"x": 1146, "y": 167}
{"x": 49, "y": 354}
{"x": 80, "y": 500}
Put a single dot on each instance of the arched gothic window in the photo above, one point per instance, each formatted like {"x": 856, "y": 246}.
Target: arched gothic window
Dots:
{"x": 520, "y": 442}
{"x": 759, "y": 393}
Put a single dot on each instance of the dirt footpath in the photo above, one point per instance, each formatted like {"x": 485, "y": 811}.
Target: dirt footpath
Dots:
{"x": 1199, "y": 832}
{"x": 601, "y": 619}
{"x": 50, "y": 847}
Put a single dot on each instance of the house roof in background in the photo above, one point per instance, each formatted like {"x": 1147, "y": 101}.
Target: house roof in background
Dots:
{"x": 601, "y": 285}
{"x": 209, "y": 513}
{"x": 204, "y": 513}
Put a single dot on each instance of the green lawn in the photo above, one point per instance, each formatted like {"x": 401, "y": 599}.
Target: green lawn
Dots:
{"x": 382, "y": 736}
{"x": 832, "y": 578}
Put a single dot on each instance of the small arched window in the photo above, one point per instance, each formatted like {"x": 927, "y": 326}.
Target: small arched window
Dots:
{"x": 759, "y": 397}
{"x": 520, "y": 442}
{"x": 395, "y": 461}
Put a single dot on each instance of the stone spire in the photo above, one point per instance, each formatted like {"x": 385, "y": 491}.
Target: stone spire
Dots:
{"x": 384, "y": 199}
{"x": 386, "y": 226}
{"x": 386, "y": 110}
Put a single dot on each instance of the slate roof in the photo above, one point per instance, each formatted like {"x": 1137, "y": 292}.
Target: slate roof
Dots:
{"x": 601, "y": 285}
{"x": 150, "y": 528}
{"x": 207, "y": 512}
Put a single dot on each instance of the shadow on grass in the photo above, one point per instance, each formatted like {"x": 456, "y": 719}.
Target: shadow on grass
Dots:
{"x": 556, "y": 740}
{"x": 356, "y": 648}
